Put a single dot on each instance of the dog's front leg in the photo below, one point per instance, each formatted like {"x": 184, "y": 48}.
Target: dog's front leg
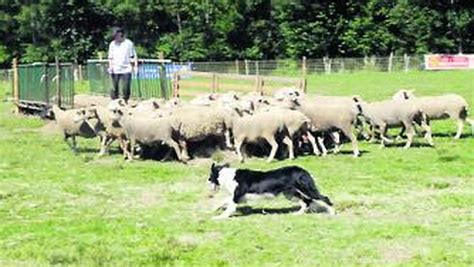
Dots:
{"x": 222, "y": 204}
{"x": 231, "y": 208}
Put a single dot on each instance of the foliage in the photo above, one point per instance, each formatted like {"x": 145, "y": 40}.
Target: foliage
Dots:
{"x": 230, "y": 29}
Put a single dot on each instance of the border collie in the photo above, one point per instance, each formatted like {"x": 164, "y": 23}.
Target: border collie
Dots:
{"x": 242, "y": 184}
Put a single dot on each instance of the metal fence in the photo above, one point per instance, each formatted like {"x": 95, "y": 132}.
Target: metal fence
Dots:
{"x": 41, "y": 84}
{"x": 153, "y": 79}
{"x": 288, "y": 67}
{"x": 6, "y": 74}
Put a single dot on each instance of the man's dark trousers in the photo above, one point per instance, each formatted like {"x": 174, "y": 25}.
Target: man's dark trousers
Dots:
{"x": 125, "y": 79}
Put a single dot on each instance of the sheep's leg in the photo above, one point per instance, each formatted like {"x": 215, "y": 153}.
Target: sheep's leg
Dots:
{"x": 336, "y": 137}
{"x": 323, "y": 147}
{"x": 426, "y": 127}
{"x": 287, "y": 141}
{"x": 400, "y": 134}
{"x": 73, "y": 144}
{"x": 131, "y": 153}
{"x": 184, "y": 150}
{"x": 383, "y": 137}
{"x": 227, "y": 139}
{"x": 355, "y": 146}
{"x": 238, "y": 149}
{"x": 372, "y": 138}
{"x": 108, "y": 143}
{"x": 410, "y": 134}
{"x": 175, "y": 147}
{"x": 124, "y": 146}
{"x": 271, "y": 140}
{"x": 103, "y": 144}
{"x": 312, "y": 140}
{"x": 460, "y": 129}
{"x": 471, "y": 122}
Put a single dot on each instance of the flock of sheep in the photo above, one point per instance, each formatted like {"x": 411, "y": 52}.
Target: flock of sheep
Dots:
{"x": 303, "y": 123}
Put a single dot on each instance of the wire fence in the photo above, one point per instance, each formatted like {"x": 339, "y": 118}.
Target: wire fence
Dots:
{"x": 6, "y": 74}
{"x": 288, "y": 67}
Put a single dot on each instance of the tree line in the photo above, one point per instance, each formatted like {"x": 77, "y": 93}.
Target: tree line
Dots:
{"x": 213, "y": 30}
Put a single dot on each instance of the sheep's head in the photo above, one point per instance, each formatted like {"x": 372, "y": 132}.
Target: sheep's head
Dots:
{"x": 404, "y": 94}
{"x": 80, "y": 115}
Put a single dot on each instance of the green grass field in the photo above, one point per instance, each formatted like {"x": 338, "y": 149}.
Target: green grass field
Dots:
{"x": 395, "y": 206}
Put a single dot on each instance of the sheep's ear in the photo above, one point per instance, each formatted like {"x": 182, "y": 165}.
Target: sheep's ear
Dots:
{"x": 155, "y": 105}
{"x": 121, "y": 102}
{"x": 252, "y": 106}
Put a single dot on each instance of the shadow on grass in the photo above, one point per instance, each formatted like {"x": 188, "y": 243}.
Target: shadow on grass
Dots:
{"x": 413, "y": 145}
{"x": 349, "y": 152}
{"x": 247, "y": 210}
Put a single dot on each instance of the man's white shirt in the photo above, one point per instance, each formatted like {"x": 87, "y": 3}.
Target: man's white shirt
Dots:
{"x": 121, "y": 55}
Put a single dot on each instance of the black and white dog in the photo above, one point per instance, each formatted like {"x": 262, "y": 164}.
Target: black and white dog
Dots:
{"x": 292, "y": 181}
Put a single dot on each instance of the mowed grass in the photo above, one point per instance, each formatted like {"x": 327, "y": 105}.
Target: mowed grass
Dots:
{"x": 395, "y": 206}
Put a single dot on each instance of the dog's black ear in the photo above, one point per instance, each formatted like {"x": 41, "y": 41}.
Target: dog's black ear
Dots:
{"x": 213, "y": 166}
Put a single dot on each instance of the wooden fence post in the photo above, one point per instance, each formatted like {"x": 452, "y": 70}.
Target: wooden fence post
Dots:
{"x": 176, "y": 79}
{"x": 213, "y": 82}
{"x": 304, "y": 70}
{"x": 79, "y": 68}
{"x": 58, "y": 81}
{"x": 257, "y": 72}
{"x": 16, "y": 86}
{"x": 237, "y": 66}
{"x": 246, "y": 67}
{"x": 390, "y": 61}
{"x": 406, "y": 60}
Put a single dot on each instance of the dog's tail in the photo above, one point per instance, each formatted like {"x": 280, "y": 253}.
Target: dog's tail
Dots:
{"x": 305, "y": 184}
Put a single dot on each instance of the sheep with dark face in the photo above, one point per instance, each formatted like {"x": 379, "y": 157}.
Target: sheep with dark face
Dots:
{"x": 449, "y": 106}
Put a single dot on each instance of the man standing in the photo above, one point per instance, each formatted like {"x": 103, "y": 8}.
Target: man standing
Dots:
{"x": 121, "y": 55}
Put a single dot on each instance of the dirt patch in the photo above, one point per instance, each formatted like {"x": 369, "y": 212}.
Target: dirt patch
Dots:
{"x": 50, "y": 128}
{"x": 81, "y": 100}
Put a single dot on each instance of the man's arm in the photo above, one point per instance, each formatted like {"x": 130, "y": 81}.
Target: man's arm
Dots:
{"x": 110, "y": 58}
{"x": 135, "y": 58}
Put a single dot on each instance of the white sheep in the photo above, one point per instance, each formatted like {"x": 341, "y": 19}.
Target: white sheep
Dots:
{"x": 74, "y": 123}
{"x": 449, "y": 106}
{"x": 395, "y": 113}
{"x": 144, "y": 130}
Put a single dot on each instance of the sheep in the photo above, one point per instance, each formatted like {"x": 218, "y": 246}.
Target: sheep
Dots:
{"x": 198, "y": 122}
{"x": 395, "y": 113}
{"x": 297, "y": 125}
{"x": 330, "y": 118}
{"x": 449, "y": 106}
{"x": 251, "y": 128}
{"x": 295, "y": 122}
{"x": 108, "y": 129}
{"x": 74, "y": 123}
{"x": 143, "y": 130}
